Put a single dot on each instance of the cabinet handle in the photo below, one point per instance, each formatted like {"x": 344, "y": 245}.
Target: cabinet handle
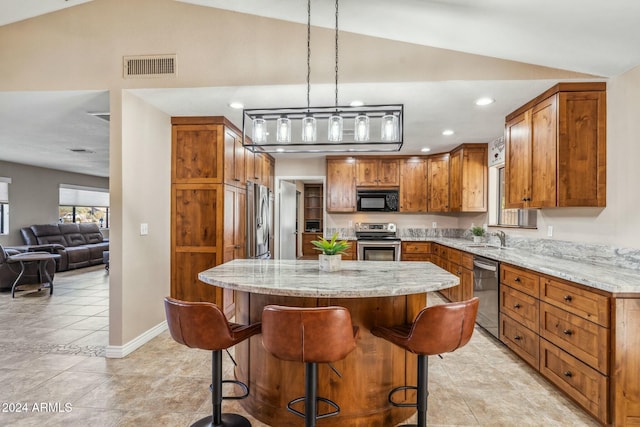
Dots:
{"x": 568, "y": 298}
{"x": 524, "y": 199}
{"x": 236, "y": 179}
{"x": 517, "y": 279}
{"x": 567, "y": 332}
{"x": 516, "y": 306}
{"x": 567, "y": 374}
{"x": 517, "y": 338}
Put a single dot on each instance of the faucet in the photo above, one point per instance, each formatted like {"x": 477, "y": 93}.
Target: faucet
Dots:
{"x": 503, "y": 238}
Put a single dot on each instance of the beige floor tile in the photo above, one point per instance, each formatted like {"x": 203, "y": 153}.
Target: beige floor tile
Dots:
{"x": 45, "y": 357}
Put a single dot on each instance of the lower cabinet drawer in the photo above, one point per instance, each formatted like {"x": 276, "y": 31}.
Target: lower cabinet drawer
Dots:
{"x": 415, "y": 257}
{"x": 523, "y": 341}
{"x": 419, "y": 247}
{"x": 584, "y": 384}
{"x": 583, "y": 339}
{"x": 520, "y": 306}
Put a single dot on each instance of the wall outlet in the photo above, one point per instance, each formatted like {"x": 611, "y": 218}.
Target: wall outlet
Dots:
{"x": 434, "y": 224}
{"x": 550, "y": 231}
{"x": 144, "y": 229}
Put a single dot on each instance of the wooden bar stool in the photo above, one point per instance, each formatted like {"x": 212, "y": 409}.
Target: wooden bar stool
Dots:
{"x": 310, "y": 335}
{"x": 439, "y": 329}
{"x": 203, "y": 325}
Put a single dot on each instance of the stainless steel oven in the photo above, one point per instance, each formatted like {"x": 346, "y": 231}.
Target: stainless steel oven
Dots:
{"x": 377, "y": 242}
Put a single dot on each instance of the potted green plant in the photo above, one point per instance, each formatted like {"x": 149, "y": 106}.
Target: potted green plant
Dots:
{"x": 477, "y": 232}
{"x": 332, "y": 250}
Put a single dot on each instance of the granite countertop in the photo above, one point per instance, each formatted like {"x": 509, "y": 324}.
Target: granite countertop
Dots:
{"x": 607, "y": 278}
{"x": 356, "y": 279}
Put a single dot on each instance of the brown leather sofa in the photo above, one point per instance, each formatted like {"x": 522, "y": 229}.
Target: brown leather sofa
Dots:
{"x": 79, "y": 245}
{"x": 9, "y": 272}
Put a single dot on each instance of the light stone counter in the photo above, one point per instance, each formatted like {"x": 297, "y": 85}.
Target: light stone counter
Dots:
{"x": 357, "y": 279}
{"x": 609, "y": 278}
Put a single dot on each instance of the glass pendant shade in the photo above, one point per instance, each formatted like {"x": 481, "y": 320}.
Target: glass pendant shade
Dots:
{"x": 389, "y": 128}
{"x": 335, "y": 129}
{"x": 259, "y": 134}
{"x": 361, "y": 129}
{"x": 283, "y": 133}
{"x": 309, "y": 130}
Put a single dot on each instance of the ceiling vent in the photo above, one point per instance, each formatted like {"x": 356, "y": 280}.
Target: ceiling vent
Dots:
{"x": 145, "y": 66}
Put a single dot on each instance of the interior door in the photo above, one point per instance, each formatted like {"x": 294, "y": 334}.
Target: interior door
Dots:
{"x": 288, "y": 232}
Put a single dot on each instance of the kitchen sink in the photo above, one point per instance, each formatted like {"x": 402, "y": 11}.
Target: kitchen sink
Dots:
{"x": 486, "y": 246}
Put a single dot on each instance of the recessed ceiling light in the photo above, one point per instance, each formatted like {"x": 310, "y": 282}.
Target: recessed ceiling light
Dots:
{"x": 356, "y": 103}
{"x": 485, "y": 101}
{"x": 425, "y": 150}
{"x": 237, "y": 105}
{"x": 447, "y": 132}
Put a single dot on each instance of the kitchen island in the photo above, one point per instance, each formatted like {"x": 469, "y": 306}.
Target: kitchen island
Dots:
{"x": 376, "y": 293}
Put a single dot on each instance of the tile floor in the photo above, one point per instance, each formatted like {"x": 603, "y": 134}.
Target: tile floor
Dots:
{"x": 52, "y": 372}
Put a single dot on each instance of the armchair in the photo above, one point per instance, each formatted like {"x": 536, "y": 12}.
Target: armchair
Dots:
{"x": 10, "y": 271}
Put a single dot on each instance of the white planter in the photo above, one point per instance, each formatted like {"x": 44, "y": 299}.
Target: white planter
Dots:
{"x": 477, "y": 239}
{"x": 329, "y": 262}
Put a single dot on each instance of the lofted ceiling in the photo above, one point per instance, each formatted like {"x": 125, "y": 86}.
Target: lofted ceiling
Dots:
{"x": 586, "y": 36}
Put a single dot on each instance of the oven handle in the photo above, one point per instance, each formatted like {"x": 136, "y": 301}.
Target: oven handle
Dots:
{"x": 377, "y": 243}
{"x": 483, "y": 266}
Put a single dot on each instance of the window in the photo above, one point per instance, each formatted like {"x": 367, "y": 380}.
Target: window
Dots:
{"x": 499, "y": 214}
{"x": 84, "y": 204}
{"x": 4, "y": 205}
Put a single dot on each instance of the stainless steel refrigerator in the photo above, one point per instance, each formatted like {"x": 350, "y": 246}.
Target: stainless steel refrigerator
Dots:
{"x": 259, "y": 221}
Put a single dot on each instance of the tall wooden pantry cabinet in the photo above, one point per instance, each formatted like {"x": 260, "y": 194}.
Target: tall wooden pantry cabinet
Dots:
{"x": 208, "y": 204}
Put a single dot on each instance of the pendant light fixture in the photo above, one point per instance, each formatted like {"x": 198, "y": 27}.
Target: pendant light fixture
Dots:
{"x": 287, "y": 123}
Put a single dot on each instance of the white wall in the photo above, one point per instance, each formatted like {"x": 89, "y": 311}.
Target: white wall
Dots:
{"x": 146, "y": 191}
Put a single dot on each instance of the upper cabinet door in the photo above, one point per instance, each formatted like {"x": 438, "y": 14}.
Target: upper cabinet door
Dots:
{"x": 366, "y": 172}
{"x": 518, "y": 161}
{"x": 389, "y": 173}
{"x": 234, "y": 162}
{"x": 341, "y": 185}
{"x": 544, "y": 127}
{"x": 582, "y": 146}
{"x": 375, "y": 172}
{"x": 438, "y": 183}
{"x": 413, "y": 185}
{"x": 197, "y": 153}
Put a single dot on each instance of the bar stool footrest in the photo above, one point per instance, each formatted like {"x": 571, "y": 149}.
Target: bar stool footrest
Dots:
{"x": 240, "y": 384}
{"x": 318, "y": 399}
{"x": 403, "y": 405}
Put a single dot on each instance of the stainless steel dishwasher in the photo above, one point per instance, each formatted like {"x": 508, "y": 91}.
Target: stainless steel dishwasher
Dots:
{"x": 486, "y": 280}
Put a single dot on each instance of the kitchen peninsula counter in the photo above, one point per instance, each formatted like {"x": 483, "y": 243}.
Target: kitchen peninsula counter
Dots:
{"x": 356, "y": 279}
{"x": 374, "y": 292}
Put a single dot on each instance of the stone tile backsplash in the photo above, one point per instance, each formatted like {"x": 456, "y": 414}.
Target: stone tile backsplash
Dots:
{"x": 575, "y": 251}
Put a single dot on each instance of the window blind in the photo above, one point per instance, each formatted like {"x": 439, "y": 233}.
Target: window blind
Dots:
{"x": 71, "y": 195}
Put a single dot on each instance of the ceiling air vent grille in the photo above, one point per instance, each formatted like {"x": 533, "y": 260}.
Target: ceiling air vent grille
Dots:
{"x": 149, "y": 66}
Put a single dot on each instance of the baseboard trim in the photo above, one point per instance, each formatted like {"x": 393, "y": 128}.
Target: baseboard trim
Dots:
{"x": 120, "y": 351}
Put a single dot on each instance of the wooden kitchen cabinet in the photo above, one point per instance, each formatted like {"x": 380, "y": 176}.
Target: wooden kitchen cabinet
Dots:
{"x": 468, "y": 178}
{"x": 234, "y": 236}
{"x": 438, "y": 183}
{"x": 574, "y": 352}
{"x": 308, "y": 250}
{"x": 415, "y": 251}
{"x": 556, "y": 149}
{"x": 413, "y": 185}
{"x": 377, "y": 172}
{"x": 341, "y": 184}
{"x": 234, "y": 159}
{"x": 207, "y": 215}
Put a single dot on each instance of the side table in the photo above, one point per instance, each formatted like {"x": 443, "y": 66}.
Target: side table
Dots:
{"x": 41, "y": 258}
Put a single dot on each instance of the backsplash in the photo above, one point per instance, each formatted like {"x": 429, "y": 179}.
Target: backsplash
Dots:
{"x": 582, "y": 252}
{"x": 575, "y": 251}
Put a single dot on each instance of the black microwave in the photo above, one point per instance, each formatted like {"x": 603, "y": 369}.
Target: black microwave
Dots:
{"x": 377, "y": 200}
